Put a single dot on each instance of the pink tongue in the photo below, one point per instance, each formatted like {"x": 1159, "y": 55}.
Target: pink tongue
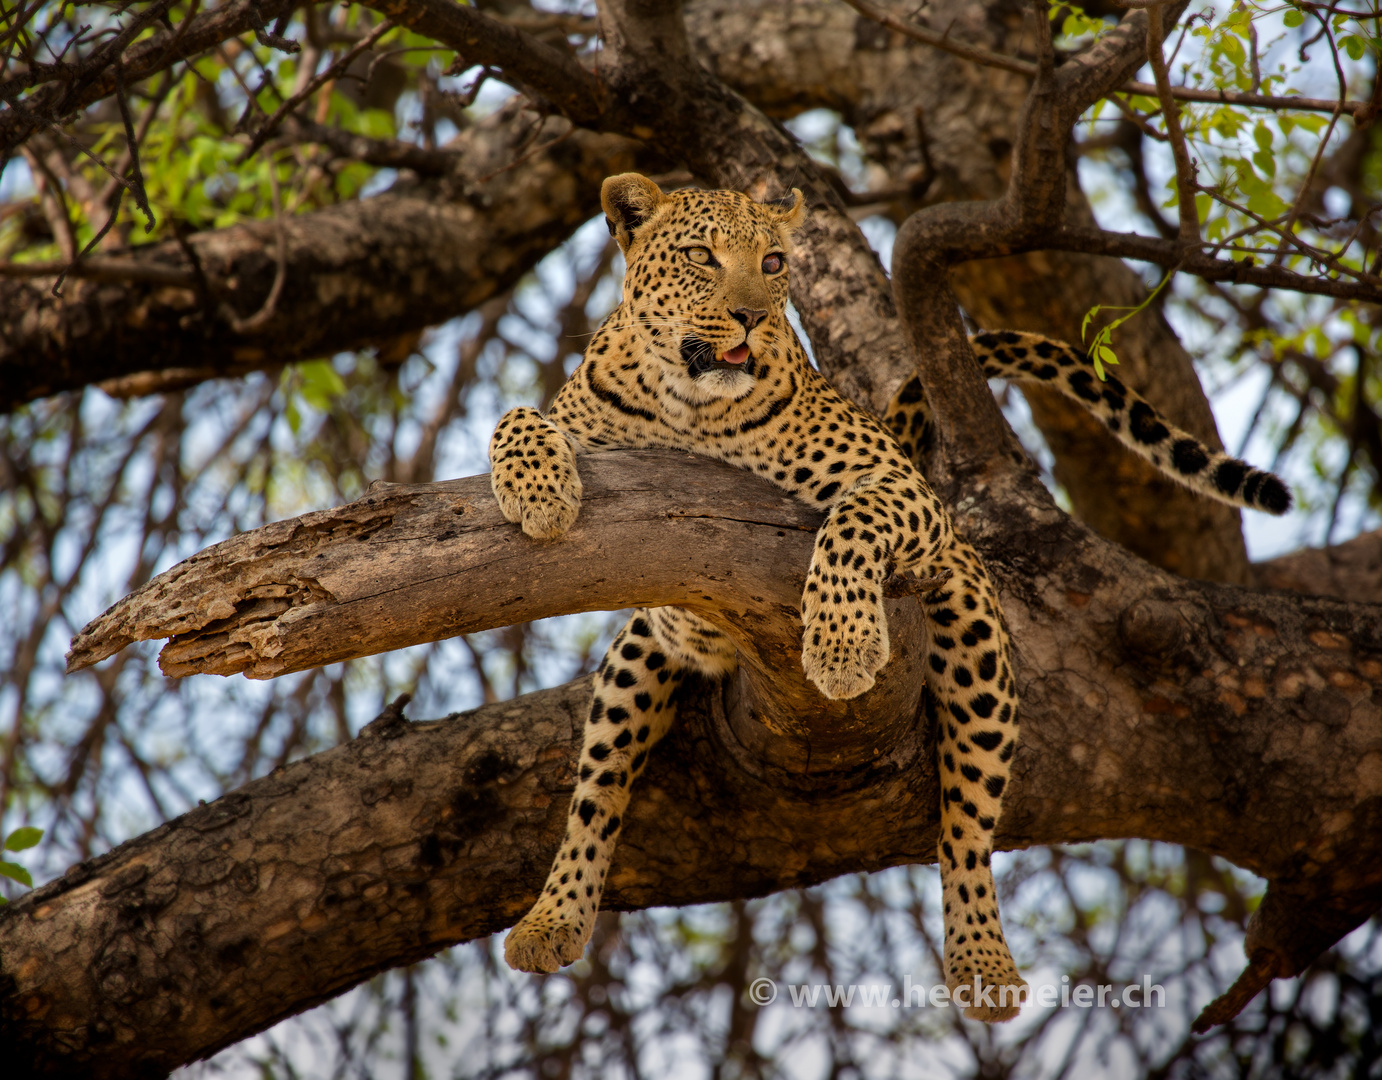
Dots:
{"x": 736, "y": 355}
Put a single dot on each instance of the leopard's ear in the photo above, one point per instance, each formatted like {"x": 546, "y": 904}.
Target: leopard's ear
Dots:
{"x": 629, "y": 200}
{"x": 790, "y": 211}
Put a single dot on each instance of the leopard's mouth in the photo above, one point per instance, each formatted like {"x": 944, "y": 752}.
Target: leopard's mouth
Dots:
{"x": 700, "y": 357}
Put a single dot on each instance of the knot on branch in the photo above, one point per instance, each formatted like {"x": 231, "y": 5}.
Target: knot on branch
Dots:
{"x": 1152, "y": 628}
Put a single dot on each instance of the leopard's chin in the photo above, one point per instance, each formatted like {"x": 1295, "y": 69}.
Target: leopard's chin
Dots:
{"x": 727, "y": 382}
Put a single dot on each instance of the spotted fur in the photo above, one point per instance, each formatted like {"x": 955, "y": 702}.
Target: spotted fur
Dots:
{"x": 699, "y": 356}
{"x": 1033, "y": 358}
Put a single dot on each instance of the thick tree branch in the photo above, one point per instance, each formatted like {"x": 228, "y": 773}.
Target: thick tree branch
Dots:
{"x": 357, "y": 273}
{"x": 412, "y": 564}
{"x": 1244, "y": 722}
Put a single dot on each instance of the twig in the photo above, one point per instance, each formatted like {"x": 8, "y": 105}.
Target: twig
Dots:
{"x": 522, "y": 159}
{"x": 270, "y": 125}
{"x": 1136, "y": 119}
{"x": 38, "y": 121}
{"x": 112, "y": 50}
{"x": 260, "y": 318}
{"x": 101, "y": 269}
{"x": 386, "y": 153}
{"x": 194, "y": 260}
{"x": 54, "y": 196}
{"x": 141, "y": 198}
{"x": 1188, "y": 232}
{"x": 155, "y": 101}
{"x": 1299, "y": 203}
{"x": 1168, "y": 253}
{"x": 274, "y": 38}
{"x": 101, "y": 235}
{"x": 942, "y": 41}
{"x": 1314, "y": 254}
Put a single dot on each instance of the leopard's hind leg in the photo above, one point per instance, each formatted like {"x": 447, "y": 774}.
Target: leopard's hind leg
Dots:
{"x": 632, "y": 707}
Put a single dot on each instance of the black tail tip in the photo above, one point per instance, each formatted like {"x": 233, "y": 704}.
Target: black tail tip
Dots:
{"x": 1273, "y": 496}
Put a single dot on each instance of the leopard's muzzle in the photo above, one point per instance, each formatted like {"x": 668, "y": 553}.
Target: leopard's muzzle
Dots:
{"x": 700, "y": 357}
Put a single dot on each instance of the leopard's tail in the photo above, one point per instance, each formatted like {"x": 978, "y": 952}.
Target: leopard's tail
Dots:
{"x": 1035, "y": 358}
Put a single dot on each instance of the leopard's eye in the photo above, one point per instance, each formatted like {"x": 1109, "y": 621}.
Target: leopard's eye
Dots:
{"x": 773, "y": 263}
{"x": 701, "y": 256}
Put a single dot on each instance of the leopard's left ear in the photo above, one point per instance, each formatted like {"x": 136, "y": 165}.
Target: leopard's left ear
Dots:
{"x": 790, "y": 211}
{"x": 629, "y": 200}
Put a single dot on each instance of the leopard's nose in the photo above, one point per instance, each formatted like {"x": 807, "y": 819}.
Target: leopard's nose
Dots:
{"x": 749, "y": 317}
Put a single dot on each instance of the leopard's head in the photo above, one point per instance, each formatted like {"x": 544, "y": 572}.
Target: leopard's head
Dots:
{"x": 706, "y": 280}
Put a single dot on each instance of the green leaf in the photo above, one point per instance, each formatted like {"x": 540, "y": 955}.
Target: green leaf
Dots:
{"x": 1103, "y": 355}
{"x": 1233, "y": 50}
{"x": 1264, "y": 161}
{"x": 1353, "y": 45}
{"x": 16, "y": 873}
{"x": 23, "y": 838}
{"x": 1293, "y": 17}
{"x": 1266, "y": 203}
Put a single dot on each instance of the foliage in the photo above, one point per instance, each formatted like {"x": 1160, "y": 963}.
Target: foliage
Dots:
{"x": 21, "y": 839}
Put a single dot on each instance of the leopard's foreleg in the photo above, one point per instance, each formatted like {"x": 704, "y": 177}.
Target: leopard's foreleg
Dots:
{"x": 885, "y": 521}
{"x": 533, "y": 474}
{"x": 632, "y": 707}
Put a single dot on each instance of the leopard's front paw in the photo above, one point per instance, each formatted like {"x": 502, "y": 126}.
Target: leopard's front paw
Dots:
{"x": 841, "y": 652}
{"x": 533, "y": 474}
{"x": 544, "y": 509}
{"x": 541, "y": 944}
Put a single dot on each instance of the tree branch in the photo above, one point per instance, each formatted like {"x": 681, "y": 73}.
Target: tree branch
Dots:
{"x": 1188, "y": 231}
{"x": 1349, "y": 571}
{"x": 143, "y": 59}
{"x": 1018, "y": 66}
{"x": 355, "y": 274}
{"x": 971, "y": 430}
{"x": 1366, "y": 287}
{"x": 540, "y": 70}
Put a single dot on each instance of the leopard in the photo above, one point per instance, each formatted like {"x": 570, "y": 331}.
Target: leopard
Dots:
{"x": 700, "y": 355}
